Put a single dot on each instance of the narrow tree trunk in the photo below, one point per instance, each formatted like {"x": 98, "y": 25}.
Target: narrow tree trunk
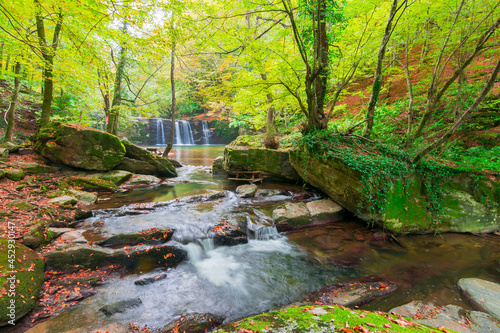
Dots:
{"x": 270, "y": 112}
{"x": 168, "y": 148}
{"x": 114, "y": 112}
{"x": 48, "y": 53}
{"x": 377, "y": 80}
{"x": 489, "y": 84}
{"x": 9, "y": 133}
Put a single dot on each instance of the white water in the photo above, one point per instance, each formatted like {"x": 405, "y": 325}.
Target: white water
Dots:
{"x": 206, "y": 132}
{"x": 160, "y": 134}
{"x": 183, "y": 133}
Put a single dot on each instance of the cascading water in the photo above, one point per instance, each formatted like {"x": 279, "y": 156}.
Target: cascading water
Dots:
{"x": 206, "y": 132}
{"x": 160, "y": 133}
{"x": 183, "y": 133}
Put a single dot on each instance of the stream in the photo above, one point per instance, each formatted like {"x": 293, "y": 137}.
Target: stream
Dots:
{"x": 272, "y": 269}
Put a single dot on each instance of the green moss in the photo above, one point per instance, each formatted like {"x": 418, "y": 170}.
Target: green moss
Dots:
{"x": 323, "y": 318}
{"x": 28, "y": 267}
{"x": 248, "y": 141}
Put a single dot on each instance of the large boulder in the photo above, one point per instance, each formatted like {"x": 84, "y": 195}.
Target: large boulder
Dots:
{"x": 79, "y": 146}
{"x": 406, "y": 200}
{"x": 274, "y": 162}
{"x": 138, "y": 160}
{"x": 325, "y": 210}
{"x": 247, "y": 191}
{"x": 19, "y": 291}
{"x": 485, "y": 295}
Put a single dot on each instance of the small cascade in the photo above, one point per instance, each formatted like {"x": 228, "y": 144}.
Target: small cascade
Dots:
{"x": 206, "y": 132}
{"x": 160, "y": 133}
{"x": 266, "y": 233}
{"x": 183, "y": 133}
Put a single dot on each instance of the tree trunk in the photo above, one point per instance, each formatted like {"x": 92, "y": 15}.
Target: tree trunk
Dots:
{"x": 377, "y": 80}
{"x": 114, "y": 112}
{"x": 48, "y": 54}
{"x": 168, "y": 148}
{"x": 270, "y": 112}
{"x": 446, "y": 137}
{"x": 9, "y": 133}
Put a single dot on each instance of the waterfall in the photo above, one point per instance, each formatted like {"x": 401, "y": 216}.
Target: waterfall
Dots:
{"x": 178, "y": 140}
{"x": 206, "y": 132}
{"x": 183, "y": 133}
{"x": 160, "y": 134}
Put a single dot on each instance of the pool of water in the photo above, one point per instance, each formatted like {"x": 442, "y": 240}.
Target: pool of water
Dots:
{"x": 273, "y": 269}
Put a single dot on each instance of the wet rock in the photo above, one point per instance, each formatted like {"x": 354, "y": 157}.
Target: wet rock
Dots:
{"x": 14, "y": 174}
{"x": 64, "y": 200}
{"x": 246, "y": 191}
{"x": 450, "y": 316}
{"x": 145, "y": 237}
{"x": 143, "y": 180}
{"x": 145, "y": 281}
{"x": 73, "y": 236}
{"x": 84, "y": 198}
{"x": 194, "y": 323}
{"x": 484, "y": 295}
{"x": 294, "y": 214}
{"x": 327, "y": 242}
{"x": 350, "y": 256}
{"x": 351, "y": 293}
{"x": 21, "y": 205}
{"x": 27, "y": 281}
{"x": 120, "y": 306}
{"x": 217, "y": 166}
{"x": 79, "y": 146}
{"x": 325, "y": 210}
{"x": 82, "y": 214}
{"x": 231, "y": 238}
{"x": 71, "y": 257}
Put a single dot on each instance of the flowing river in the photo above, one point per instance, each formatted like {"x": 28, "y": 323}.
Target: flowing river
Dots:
{"x": 272, "y": 269}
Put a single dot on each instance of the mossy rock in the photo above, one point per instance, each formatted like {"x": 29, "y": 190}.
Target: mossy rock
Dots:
{"x": 69, "y": 257}
{"x": 14, "y": 174}
{"x": 138, "y": 160}
{"x": 29, "y": 267}
{"x": 404, "y": 202}
{"x": 93, "y": 184}
{"x": 118, "y": 177}
{"x": 155, "y": 236}
{"x": 64, "y": 200}
{"x": 273, "y": 161}
{"x": 194, "y": 323}
{"x": 39, "y": 235}
{"x": 85, "y": 198}
{"x": 324, "y": 318}
{"x": 35, "y": 168}
{"x": 79, "y": 146}
{"x": 21, "y": 205}
{"x": 2, "y": 173}
{"x": 248, "y": 141}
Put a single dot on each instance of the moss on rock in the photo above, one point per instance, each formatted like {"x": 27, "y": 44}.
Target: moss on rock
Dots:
{"x": 79, "y": 146}
{"x": 324, "y": 318}
{"x": 26, "y": 281}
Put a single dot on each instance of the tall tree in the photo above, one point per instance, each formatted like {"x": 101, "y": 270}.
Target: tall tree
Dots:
{"x": 172, "y": 105}
{"x": 377, "y": 79}
{"x": 48, "y": 53}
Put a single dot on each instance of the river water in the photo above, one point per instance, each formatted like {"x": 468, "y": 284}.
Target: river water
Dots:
{"x": 273, "y": 269}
